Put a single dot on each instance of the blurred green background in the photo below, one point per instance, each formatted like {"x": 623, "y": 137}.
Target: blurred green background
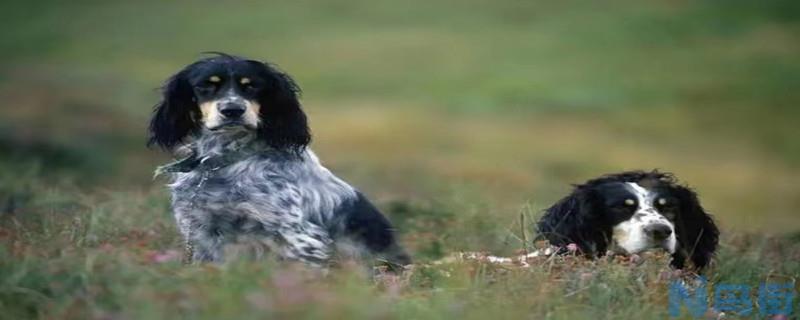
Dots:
{"x": 454, "y": 116}
{"x": 511, "y": 100}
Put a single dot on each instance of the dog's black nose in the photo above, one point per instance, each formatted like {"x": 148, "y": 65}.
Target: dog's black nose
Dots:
{"x": 232, "y": 110}
{"x": 658, "y": 231}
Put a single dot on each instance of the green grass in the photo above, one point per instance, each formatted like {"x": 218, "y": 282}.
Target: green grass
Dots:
{"x": 113, "y": 255}
{"x": 456, "y": 117}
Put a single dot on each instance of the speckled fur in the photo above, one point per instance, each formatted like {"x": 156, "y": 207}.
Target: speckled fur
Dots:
{"x": 288, "y": 199}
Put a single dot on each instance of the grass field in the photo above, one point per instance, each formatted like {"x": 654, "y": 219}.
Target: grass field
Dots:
{"x": 456, "y": 117}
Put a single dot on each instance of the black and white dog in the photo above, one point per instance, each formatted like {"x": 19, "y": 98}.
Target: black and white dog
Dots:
{"x": 632, "y": 212}
{"x": 249, "y": 175}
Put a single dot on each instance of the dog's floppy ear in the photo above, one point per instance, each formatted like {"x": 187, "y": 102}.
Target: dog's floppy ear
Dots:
{"x": 576, "y": 219}
{"x": 283, "y": 122}
{"x": 697, "y": 234}
{"x": 173, "y": 117}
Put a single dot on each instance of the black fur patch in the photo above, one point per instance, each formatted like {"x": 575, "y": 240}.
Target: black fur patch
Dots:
{"x": 360, "y": 221}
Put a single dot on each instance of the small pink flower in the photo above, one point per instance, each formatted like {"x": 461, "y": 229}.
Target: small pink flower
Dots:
{"x": 162, "y": 257}
{"x": 572, "y": 247}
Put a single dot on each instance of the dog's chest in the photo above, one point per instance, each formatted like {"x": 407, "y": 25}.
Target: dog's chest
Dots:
{"x": 229, "y": 190}
{"x": 260, "y": 189}
{"x": 208, "y": 190}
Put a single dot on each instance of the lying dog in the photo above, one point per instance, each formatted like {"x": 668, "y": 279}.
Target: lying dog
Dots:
{"x": 631, "y": 212}
{"x": 249, "y": 174}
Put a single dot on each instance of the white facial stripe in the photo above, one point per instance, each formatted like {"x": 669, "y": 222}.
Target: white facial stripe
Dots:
{"x": 644, "y": 197}
{"x": 630, "y": 235}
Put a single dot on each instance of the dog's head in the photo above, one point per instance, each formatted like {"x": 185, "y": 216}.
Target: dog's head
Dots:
{"x": 226, "y": 93}
{"x": 632, "y": 212}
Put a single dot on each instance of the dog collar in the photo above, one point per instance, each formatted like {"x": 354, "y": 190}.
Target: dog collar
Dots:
{"x": 202, "y": 164}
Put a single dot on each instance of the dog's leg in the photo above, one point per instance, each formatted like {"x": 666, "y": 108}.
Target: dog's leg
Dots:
{"x": 188, "y": 252}
{"x": 309, "y": 243}
{"x": 207, "y": 249}
{"x": 185, "y": 227}
{"x": 294, "y": 237}
{"x": 199, "y": 245}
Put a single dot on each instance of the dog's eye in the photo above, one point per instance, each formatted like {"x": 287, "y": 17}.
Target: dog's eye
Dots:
{"x": 247, "y": 84}
{"x": 209, "y": 85}
{"x": 629, "y": 202}
{"x": 665, "y": 203}
{"x": 205, "y": 89}
{"x": 250, "y": 88}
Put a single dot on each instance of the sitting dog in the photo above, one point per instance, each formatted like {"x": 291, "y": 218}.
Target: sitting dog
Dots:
{"x": 631, "y": 212}
{"x": 250, "y": 175}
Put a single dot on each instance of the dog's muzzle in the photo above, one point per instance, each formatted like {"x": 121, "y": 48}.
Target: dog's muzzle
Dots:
{"x": 658, "y": 232}
{"x": 232, "y": 109}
